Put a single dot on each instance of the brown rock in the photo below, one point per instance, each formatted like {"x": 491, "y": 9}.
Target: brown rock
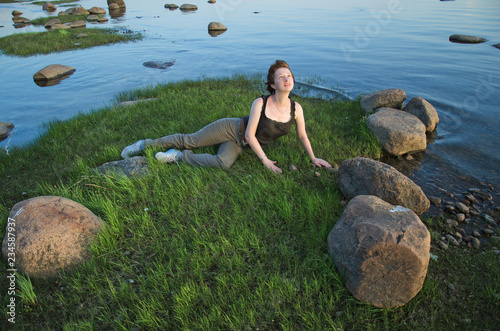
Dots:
{"x": 16, "y": 13}
{"x": 464, "y": 39}
{"x": 424, "y": 111}
{"x": 53, "y": 71}
{"x": 52, "y": 22}
{"x": 97, "y": 11}
{"x": 390, "y": 98}
{"x": 77, "y": 11}
{"x": 5, "y": 128}
{"x": 119, "y": 3}
{"x": 48, "y": 6}
{"x": 78, "y": 24}
{"x": 51, "y": 234}
{"x": 364, "y": 176}
{"x": 383, "y": 251}
{"x": 216, "y": 26}
{"x": 398, "y": 131}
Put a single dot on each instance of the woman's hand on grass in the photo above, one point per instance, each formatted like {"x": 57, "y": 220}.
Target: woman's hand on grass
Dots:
{"x": 321, "y": 163}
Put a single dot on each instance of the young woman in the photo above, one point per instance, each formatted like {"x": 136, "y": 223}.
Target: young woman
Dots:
{"x": 270, "y": 118}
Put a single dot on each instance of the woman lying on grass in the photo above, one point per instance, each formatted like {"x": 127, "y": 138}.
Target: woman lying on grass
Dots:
{"x": 271, "y": 117}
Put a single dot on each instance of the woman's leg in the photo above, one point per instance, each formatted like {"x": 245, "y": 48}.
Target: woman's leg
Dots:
{"x": 227, "y": 154}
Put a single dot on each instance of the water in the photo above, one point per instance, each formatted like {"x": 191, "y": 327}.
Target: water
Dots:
{"x": 356, "y": 46}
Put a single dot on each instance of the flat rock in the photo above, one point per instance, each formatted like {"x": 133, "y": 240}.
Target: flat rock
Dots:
{"x": 52, "y": 234}
{"x": 131, "y": 167}
{"x": 424, "y": 111}
{"x": 78, "y": 24}
{"x": 5, "y": 129}
{"x": 171, "y": 6}
{"x": 382, "y": 250}
{"x": 465, "y": 39}
{"x": 390, "y": 98}
{"x": 52, "y": 22}
{"x": 398, "y": 131}
{"x": 364, "y": 176}
{"x": 188, "y": 7}
{"x": 159, "y": 64}
{"x": 77, "y": 11}
{"x": 20, "y": 20}
{"x": 53, "y": 71}
{"x": 97, "y": 11}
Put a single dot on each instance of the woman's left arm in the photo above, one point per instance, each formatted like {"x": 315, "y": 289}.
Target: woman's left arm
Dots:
{"x": 304, "y": 140}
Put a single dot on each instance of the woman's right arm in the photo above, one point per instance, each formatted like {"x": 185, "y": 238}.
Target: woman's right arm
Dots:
{"x": 250, "y": 138}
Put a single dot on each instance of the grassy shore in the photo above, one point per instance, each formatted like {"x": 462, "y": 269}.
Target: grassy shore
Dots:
{"x": 196, "y": 248}
{"x": 32, "y": 43}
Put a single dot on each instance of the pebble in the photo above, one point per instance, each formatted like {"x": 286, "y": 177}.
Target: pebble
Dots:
{"x": 460, "y": 217}
{"x": 435, "y": 201}
{"x": 292, "y": 167}
{"x": 317, "y": 174}
{"x": 489, "y": 219}
{"x": 452, "y": 240}
{"x": 485, "y": 196}
{"x": 462, "y": 208}
{"x": 458, "y": 235}
{"x": 476, "y": 234}
{"x": 488, "y": 232}
{"x": 451, "y": 222}
{"x": 470, "y": 198}
{"x": 474, "y": 190}
{"x": 443, "y": 245}
{"x": 476, "y": 243}
{"x": 474, "y": 213}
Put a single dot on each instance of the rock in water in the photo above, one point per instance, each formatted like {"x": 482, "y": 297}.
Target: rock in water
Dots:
{"x": 159, "y": 64}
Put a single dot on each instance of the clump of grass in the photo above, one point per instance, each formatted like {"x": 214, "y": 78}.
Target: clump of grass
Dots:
{"x": 26, "y": 44}
{"x": 198, "y": 248}
{"x": 64, "y": 19}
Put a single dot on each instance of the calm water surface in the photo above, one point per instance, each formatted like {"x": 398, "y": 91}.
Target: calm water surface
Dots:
{"x": 356, "y": 46}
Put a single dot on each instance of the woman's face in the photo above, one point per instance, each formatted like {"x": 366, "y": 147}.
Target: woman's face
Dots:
{"x": 283, "y": 80}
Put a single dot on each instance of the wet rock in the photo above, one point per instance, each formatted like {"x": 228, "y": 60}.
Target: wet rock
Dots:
{"x": 77, "y": 11}
{"x": 48, "y": 6}
{"x": 53, "y": 71}
{"x": 97, "y": 11}
{"x": 390, "y": 98}
{"x": 102, "y": 19}
{"x": 497, "y": 46}
{"x": 465, "y": 39}
{"x": 399, "y": 132}
{"x": 188, "y": 7}
{"x": 52, "y": 22}
{"x": 92, "y": 18}
{"x": 113, "y": 7}
{"x": 78, "y": 24}
{"x": 171, "y": 6}
{"x": 364, "y": 176}
{"x": 20, "y": 20}
{"x": 5, "y": 129}
{"x": 216, "y": 26}
{"x": 424, "y": 111}
{"x": 476, "y": 234}
{"x": 485, "y": 196}
{"x": 16, "y": 13}
{"x": 436, "y": 201}
{"x": 53, "y": 234}
{"x": 462, "y": 208}
{"x": 119, "y": 3}
{"x": 488, "y": 219}
{"x": 460, "y": 217}
{"x": 159, "y": 64}
{"x": 382, "y": 249}
{"x": 474, "y": 190}
{"x": 131, "y": 167}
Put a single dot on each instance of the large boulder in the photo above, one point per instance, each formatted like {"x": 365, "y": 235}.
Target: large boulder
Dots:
{"x": 119, "y": 3}
{"x": 49, "y": 6}
{"x": 364, "y": 176}
{"x": 391, "y": 98}
{"x": 77, "y": 11}
{"x": 383, "y": 251}
{"x": 398, "y": 131}
{"x": 131, "y": 167}
{"x": 53, "y": 71}
{"x": 424, "y": 111}
{"x": 50, "y": 234}
{"x": 5, "y": 128}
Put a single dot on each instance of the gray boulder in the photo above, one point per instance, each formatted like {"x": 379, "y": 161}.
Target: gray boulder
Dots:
{"x": 464, "y": 39}
{"x": 52, "y": 234}
{"x": 131, "y": 167}
{"x": 53, "y": 71}
{"x": 424, "y": 111}
{"x": 398, "y": 131}
{"x": 391, "y": 98}
{"x": 5, "y": 129}
{"x": 364, "y": 176}
{"x": 383, "y": 251}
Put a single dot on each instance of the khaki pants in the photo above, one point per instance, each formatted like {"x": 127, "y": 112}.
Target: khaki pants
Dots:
{"x": 225, "y": 132}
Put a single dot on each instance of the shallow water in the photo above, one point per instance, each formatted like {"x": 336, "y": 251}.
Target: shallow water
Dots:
{"x": 354, "y": 46}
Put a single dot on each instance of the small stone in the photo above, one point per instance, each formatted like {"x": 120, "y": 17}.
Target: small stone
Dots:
{"x": 16, "y": 13}
{"x": 476, "y": 243}
{"x": 449, "y": 208}
{"x": 462, "y": 208}
{"x": 292, "y": 167}
{"x": 470, "y": 198}
{"x": 488, "y": 232}
{"x": 92, "y": 18}
{"x": 188, "y": 6}
{"x": 171, "y": 6}
{"x": 409, "y": 157}
{"x": 460, "y": 217}
{"x": 488, "y": 219}
{"x": 474, "y": 213}
{"x": 102, "y": 19}
{"x": 82, "y": 35}
{"x": 435, "y": 201}
{"x": 451, "y": 223}
{"x": 476, "y": 234}
{"x": 485, "y": 196}
{"x": 317, "y": 174}
{"x": 452, "y": 240}
{"x": 458, "y": 235}
{"x": 463, "y": 39}
{"x": 443, "y": 245}
{"x": 474, "y": 190}
{"x": 462, "y": 232}
{"x": 216, "y": 26}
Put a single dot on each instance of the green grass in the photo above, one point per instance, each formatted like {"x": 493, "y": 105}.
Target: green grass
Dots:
{"x": 26, "y": 44}
{"x": 197, "y": 248}
{"x": 63, "y": 18}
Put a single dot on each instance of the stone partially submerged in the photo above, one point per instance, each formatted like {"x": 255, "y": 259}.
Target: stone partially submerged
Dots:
{"x": 5, "y": 129}
{"x": 383, "y": 251}
{"x": 465, "y": 39}
{"x": 53, "y": 71}
{"x": 364, "y": 176}
{"x": 424, "y": 111}
{"x": 398, "y": 131}
{"x": 52, "y": 234}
